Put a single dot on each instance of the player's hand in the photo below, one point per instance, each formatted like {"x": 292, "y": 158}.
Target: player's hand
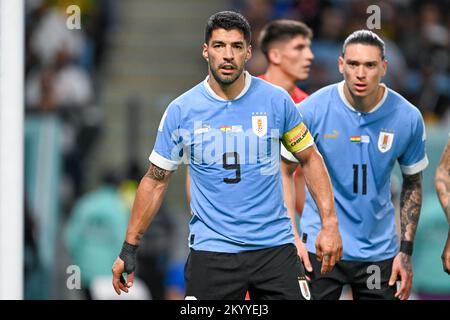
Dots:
{"x": 118, "y": 280}
{"x": 446, "y": 255}
{"x": 329, "y": 247}
{"x": 401, "y": 267}
{"x": 303, "y": 254}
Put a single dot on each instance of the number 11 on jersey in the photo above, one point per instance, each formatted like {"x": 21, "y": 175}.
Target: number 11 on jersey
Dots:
{"x": 364, "y": 178}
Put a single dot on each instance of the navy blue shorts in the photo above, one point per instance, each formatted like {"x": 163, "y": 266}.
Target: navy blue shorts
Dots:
{"x": 368, "y": 280}
{"x": 272, "y": 273}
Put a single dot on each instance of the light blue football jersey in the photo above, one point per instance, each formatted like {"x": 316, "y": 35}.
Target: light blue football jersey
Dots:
{"x": 233, "y": 152}
{"x": 360, "y": 150}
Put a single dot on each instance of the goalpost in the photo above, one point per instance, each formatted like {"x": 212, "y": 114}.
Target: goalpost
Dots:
{"x": 11, "y": 148}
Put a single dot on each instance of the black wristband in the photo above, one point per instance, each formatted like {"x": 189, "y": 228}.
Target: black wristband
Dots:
{"x": 406, "y": 247}
{"x": 128, "y": 255}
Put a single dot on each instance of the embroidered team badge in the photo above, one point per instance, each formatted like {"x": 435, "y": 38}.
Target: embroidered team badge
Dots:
{"x": 259, "y": 123}
{"x": 304, "y": 288}
{"x": 385, "y": 140}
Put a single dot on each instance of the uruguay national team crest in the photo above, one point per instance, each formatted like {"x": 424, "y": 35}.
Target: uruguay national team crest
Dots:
{"x": 304, "y": 288}
{"x": 385, "y": 140}
{"x": 259, "y": 123}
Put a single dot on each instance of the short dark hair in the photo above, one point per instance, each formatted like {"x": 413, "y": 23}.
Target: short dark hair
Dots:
{"x": 365, "y": 37}
{"x": 282, "y": 30}
{"x": 228, "y": 20}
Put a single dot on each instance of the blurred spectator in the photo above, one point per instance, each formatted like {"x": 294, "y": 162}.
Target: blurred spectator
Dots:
{"x": 174, "y": 281}
{"x": 51, "y": 34}
{"x": 95, "y": 230}
{"x": 60, "y": 84}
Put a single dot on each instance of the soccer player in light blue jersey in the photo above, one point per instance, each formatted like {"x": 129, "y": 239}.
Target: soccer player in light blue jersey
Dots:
{"x": 229, "y": 129}
{"x": 362, "y": 128}
{"x": 442, "y": 181}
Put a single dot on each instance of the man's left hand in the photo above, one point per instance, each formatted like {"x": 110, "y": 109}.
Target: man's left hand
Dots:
{"x": 402, "y": 268}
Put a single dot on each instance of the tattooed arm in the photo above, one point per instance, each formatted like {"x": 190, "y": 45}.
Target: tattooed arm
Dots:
{"x": 442, "y": 183}
{"x": 149, "y": 196}
{"x": 410, "y": 204}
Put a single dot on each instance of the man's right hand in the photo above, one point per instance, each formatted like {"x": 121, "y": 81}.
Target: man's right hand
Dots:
{"x": 329, "y": 247}
{"x": 117, "y": 269}
{"x": 302, "y": 252}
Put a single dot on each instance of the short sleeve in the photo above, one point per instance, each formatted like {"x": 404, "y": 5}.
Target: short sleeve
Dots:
{"x": 292, "y": 117}
{"x": 296, "y": 136}
{"x": 414, "y": 159}
{"x": 168, "y": 150}
{"x": 306, "y": 109}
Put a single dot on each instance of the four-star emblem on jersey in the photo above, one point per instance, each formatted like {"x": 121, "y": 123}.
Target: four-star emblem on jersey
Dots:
{"x": 385, "y": 140}
{"x": 259, "y": 123}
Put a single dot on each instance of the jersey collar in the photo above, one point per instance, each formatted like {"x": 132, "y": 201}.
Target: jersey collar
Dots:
{"x": 347, "y": 103}
{"x": 248, "y": 81}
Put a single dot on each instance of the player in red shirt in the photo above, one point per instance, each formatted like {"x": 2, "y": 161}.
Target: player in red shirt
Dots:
{"x": 286, "y": 45}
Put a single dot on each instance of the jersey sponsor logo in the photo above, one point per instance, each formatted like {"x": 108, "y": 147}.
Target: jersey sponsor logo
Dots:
{"x": 385, "y": 140}
{"x": 304, "y": 288}
{"x": 259, "y": 123}
{"x": 332, "y": 135}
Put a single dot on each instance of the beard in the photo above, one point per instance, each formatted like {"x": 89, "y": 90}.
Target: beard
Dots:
{"x": 226, "y": 80}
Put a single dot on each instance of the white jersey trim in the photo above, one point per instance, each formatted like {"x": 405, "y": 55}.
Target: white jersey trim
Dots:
{"x": 347, "y": 103}
{"x": 248, "y": 81}
{"x": 162, "y": 162}
{"x": 287, "y": 155}
{"x": 415, "y": 168}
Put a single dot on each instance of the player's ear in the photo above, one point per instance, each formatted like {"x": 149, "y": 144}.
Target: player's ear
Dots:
{"x": 384, "y": 65}
{"x": 205, "y": 52}
{"x": 274, "y": 56}
{"x": 341, "y": 64}
{"x": 249, "y": 53}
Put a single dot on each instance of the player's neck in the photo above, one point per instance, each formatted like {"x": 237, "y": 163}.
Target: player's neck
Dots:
{"x": 227, "y": 91}
{"x": 367, "y": 103}
{"x": 277, "y": 77}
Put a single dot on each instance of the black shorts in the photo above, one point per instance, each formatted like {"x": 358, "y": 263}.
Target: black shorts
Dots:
{"x": 272, "y": 273}
{"x": 368, "y": 280}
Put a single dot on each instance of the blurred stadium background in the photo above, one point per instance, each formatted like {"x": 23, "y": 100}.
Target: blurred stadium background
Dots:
{"x": 93, "y": 98}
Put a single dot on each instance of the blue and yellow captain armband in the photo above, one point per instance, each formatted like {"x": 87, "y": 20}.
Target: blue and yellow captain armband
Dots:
{"x": 297, "y": 138}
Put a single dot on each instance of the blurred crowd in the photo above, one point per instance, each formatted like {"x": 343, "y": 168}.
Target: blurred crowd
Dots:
{"x": 416, "y": 32}
{"x": 62, "y": 68}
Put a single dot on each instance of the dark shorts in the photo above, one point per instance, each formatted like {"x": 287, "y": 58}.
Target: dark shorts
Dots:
{"x": 368, "y": 280}
{"x": 272, "y": 273}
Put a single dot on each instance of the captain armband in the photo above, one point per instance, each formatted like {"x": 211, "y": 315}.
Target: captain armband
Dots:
{"x": 297, "y": 138}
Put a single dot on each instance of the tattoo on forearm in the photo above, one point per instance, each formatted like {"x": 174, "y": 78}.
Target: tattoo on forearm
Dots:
{"x": 443, "y": 188}
{"x": 410, "y": 203}
{"x": 443, "y": 181}
{"x": 156, "y": 173}
{"x": 405, "y": 261}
